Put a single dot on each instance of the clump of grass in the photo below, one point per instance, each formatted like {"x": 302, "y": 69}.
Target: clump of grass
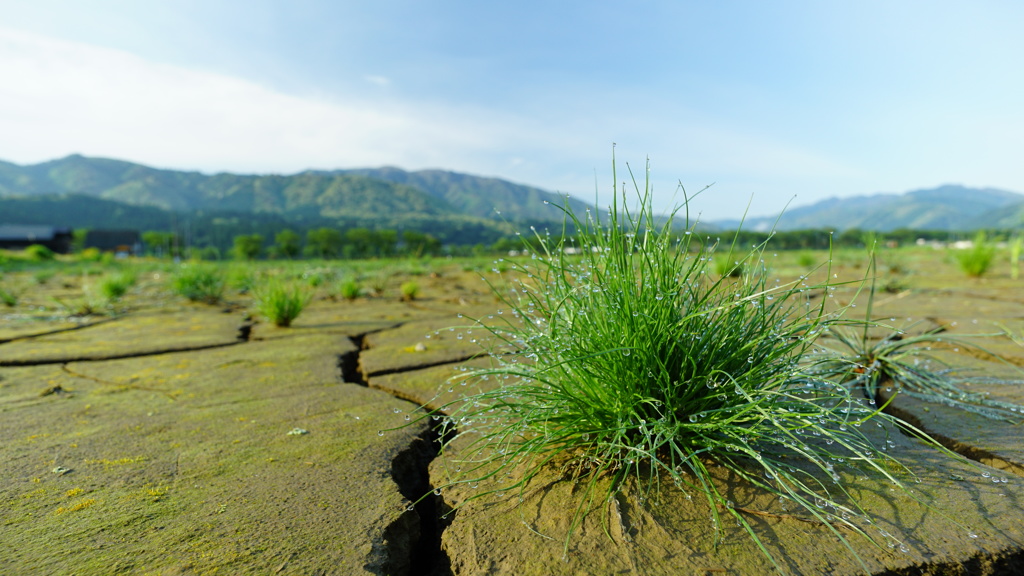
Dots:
{"x": 39, "y": 253}
{"x": 90, "y": 255}
{"x": 316, "y": 278}
{"x": 806, "y": 260}
{"x": 977, "y": 259}
{"x": 350, "y": 290}
{"x": 378, "y": 284}
{"x": 410, "y": 290}
{"x": 199, "y": 283}
{"x": 85, "y": 305}
{"x": 8, "y": 297}
{"x": 43, "y": 276}
{"x": 726, "y": 267}
{"x": 899, "y": 363}
{"x": 633, "y": 362}
{"x": 92, "y": 302}
{"x": 281, "y": 303}
{"x": 113, "y": 288}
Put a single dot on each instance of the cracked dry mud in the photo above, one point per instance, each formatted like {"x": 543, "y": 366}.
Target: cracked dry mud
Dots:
{"x": 179, "y": 439}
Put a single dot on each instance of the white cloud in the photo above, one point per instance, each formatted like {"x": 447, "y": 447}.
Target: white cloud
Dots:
{"x": 61, "y": 97}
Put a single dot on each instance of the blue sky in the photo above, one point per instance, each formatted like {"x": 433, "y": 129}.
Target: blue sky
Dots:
{"x": 770, "y": 100}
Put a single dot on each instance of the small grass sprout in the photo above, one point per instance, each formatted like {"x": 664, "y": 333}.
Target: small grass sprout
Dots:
{"x": 41, "y": 277}
{"x": 114, "y": 287}
{"x": 281, "y": 303}
{"x": 904, "y": 363}
{"x": 634, "y": 362}
{"x": 977, "y": 259}
{"x": 9, "y": 297}
{"x": 379, "y": 284}
{"x": 93, "y": 302}
{"x": 350, "y": 290}
{"x": 199, "y": 283}
{"x": 410, "y": 290}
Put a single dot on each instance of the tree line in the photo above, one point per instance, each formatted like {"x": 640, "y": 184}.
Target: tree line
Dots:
{"x": 361, "y": 242}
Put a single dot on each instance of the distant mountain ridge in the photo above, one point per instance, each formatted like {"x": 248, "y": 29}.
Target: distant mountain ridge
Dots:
{"x": 948, "y": 207}
{"x": 366, "y": 193}
{"x": 390, "y": 197}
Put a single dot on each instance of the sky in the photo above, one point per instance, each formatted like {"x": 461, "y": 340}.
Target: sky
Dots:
{"x": 770, "y": 103}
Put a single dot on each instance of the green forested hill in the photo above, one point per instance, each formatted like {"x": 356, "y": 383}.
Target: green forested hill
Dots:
{"x": 83, "y": 192}
{"x": 949, "y": 207}
{"x": 370, "y": 194}
{"x": 477, "y": 195}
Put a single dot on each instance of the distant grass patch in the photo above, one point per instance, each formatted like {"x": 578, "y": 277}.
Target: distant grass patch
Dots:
{"x": 9, "y": 297}
{"x": 410, "y": 290}
{"x": 39, "y": 253}
{"x": 977, "y": 259}
{"x": 199, "y": 283}
{"x": 350, "y": 290}
{"x": 281, "y": 303}
{"x": 114, "y": 287}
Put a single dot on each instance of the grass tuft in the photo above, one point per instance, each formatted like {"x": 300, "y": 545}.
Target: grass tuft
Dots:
{"x": 199, "y": 283}
{"x": 410, "y": 290}
{"x": 634, "y": 361}
{"x": 9, "y": 297}
{"x": 977, "y": 259}
{"x": 114, "y": 287}
{"x": 350, "y": 290}
{"x": 281, "y": 304}
{"x": 899, "y": 363}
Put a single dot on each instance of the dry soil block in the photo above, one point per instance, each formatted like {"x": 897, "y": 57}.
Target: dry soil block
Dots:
{"x": 248, "y": 459}
{"x": 970, "y": 525}
{"x": 135, "y": 335}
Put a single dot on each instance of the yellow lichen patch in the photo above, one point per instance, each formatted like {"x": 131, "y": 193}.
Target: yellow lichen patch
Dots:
{"x": 35, "y": 437}
{"x": 73, "y": 492}
{"x": 119, "y": 462}
{"x": 148, "y": 492}
{"x": 80, "y": 505}
{"x": 156, "y": 493}
{"x": 35, "y": 493}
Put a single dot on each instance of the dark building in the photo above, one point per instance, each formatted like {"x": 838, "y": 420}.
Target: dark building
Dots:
{"x": 118, "y": 241}
{"x": 21, "y": 236}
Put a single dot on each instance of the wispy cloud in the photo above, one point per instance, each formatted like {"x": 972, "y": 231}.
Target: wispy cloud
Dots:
{"x": 61, "y": 97}
{"x": 110, "y": 103}
{"x": 382, "y": 81}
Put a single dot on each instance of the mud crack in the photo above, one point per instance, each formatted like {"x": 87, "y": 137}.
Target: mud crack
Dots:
{"x": 410, "y": 548}
{"x": 966, "y": 450}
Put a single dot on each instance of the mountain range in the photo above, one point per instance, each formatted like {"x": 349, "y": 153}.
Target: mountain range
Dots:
{"x": 366, "y": 193}
{"x": 79, "y": 192}
{"x": 949, "y": 207}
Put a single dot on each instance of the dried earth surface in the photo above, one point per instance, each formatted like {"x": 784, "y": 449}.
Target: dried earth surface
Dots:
{"x": 173, "y": 438}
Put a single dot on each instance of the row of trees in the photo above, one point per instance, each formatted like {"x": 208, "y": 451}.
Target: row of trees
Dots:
{"x": 358, "y": 242}
{"x": 319, "y": 243}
